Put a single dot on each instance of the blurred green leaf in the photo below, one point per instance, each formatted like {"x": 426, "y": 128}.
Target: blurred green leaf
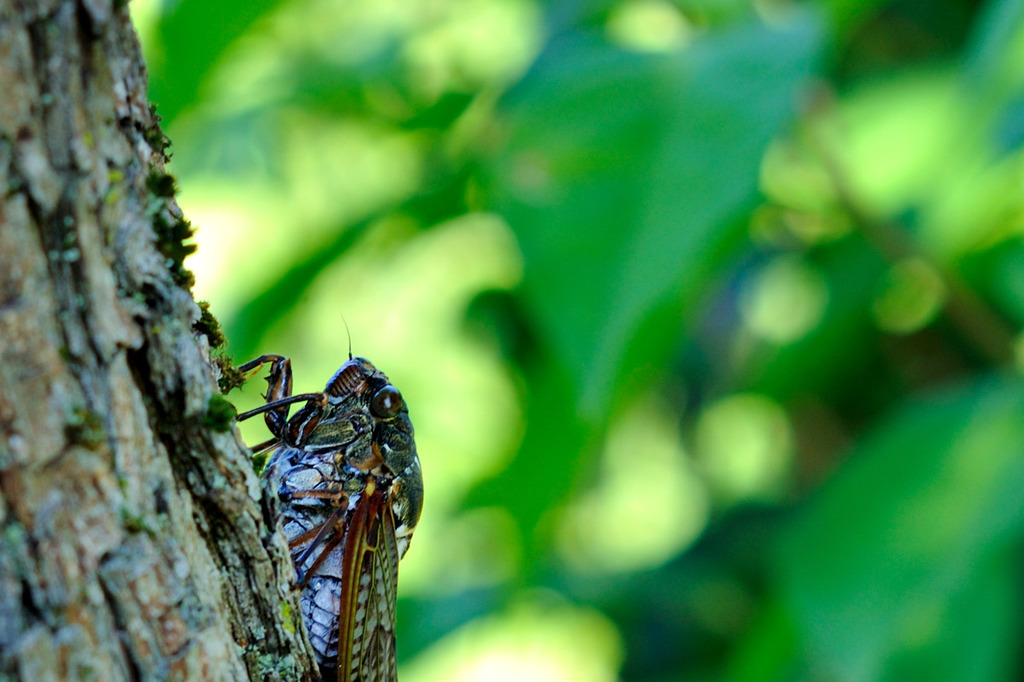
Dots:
{"x": 992, "y": 70}
{"x": 432, "y": 205}
{"x": 999, "y": 273}
{"x": 887, "y": 560}
{"x": 623, "y": 178}
{"x": 248, "y": 326}
{"x": 1010, "y": 126}
{"x": 194, "y": 35}
{"x": 769, "y": 652}
{"x": 808, "y": 365}
{"x": 994, "y": 40}
{"x": 977, "y": 637}
{"x": 847, "y": 15}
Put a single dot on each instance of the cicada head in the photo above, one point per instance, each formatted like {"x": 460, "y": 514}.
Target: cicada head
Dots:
{"x": 367, "y": 423}
{"x": 363, "y": 396}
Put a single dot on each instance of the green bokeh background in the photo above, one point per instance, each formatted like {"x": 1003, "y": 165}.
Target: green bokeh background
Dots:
{"x": 707, "y": 312}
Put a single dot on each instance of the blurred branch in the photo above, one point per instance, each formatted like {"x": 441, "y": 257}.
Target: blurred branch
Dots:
{"x": 968, "y": 312}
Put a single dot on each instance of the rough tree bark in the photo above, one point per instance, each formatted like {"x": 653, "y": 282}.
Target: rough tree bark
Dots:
{"x": 132, "y": 540}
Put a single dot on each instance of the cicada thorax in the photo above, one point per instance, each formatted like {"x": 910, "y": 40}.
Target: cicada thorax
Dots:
{"x": 349, "y": 475}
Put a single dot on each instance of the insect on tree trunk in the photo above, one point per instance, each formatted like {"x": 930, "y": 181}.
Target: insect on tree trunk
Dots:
{"x": 133, "y": 544}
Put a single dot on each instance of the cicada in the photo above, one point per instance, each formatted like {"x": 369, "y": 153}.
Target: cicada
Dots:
{"x": 347, "y": 479}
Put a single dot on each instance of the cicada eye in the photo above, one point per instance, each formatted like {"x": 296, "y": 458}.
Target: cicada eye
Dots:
{"x": 387, "y": 402}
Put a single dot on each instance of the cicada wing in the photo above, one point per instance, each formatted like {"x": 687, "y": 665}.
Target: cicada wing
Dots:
{"x": 369, "y": 590}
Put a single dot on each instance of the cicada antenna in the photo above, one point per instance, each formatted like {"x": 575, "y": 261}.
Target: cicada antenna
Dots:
{"x": 348, "y": 333}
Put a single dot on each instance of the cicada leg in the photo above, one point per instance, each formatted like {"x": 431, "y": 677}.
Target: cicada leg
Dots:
{"x": 279, "y": 397}
{"x": 313, "y": 539}
{"x": 337, "y": 498}
{"x": 279, "y": 388}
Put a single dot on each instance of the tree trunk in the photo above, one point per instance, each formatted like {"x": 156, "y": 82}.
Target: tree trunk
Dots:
{"x": 133, "y": 544}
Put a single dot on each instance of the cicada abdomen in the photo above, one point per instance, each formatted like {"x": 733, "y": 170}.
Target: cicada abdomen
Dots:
{"x": 349, "y": 489}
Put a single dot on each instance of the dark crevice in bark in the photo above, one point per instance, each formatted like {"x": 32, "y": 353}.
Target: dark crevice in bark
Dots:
{"x": 28, "y": 603}
{"x": 117, "y": 612}
{"x": 90, "y": 28}
{"x": 160, "y": 504}
{"x": 61, "y": 246}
